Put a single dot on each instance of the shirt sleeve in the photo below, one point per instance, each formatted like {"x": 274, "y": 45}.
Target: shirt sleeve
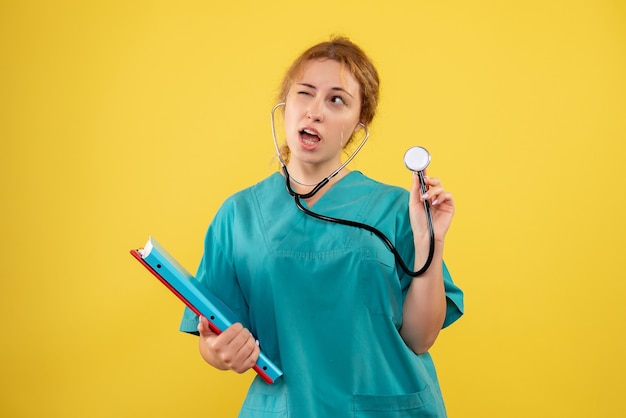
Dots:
{"x": 217, "y": 271}
{"x": 454, "y": 298}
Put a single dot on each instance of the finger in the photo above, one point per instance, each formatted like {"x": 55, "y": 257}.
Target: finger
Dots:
{"x": 254, "y": 355}
{"x": 204, "y": 328}
{"x": 432, "y": 194}
{"x": 416, "y": 182}
{"x": 416, "y": 190}
{"x": 243, "y": 352}
{"x": 444, "y": 198}
{"x": 247, "y": 356}
{"x": 234, "y": 339}
{"x": 230, "y": 333}
{"x": 432, "y": 181}
{"x": 435, "y": 189}
{"x": 243, "y": 337}
{"x": 223, "y": 343}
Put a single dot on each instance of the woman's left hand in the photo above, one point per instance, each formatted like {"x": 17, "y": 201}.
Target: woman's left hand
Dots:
{"x": 441, "y": 208}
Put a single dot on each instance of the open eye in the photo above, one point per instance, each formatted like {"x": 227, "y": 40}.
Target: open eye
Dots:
{"x": 337, "y": 100}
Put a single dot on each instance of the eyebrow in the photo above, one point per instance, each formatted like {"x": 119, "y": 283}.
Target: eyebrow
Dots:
{"x": 333, "y": 88}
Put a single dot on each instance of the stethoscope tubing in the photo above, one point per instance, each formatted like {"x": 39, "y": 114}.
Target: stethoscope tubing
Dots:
{"x": 298, "y": 197}
{"x": 431, "y": 251}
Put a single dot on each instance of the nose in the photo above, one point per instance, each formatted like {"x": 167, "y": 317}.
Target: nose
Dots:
{"x": 315, "y": 111}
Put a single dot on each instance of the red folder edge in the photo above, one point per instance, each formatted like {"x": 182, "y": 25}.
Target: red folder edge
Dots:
{"x": 137, "y": 255}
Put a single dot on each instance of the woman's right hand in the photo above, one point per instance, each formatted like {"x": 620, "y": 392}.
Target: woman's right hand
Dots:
{"x": 234, "y": 349}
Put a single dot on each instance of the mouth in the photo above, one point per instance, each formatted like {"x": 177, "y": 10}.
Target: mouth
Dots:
{"x": 310, "y": 136}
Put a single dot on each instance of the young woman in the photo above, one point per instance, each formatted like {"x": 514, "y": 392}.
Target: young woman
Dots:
{"x": 348, "y": 327}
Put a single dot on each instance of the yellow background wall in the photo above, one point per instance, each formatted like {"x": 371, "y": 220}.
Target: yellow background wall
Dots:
{"x": 120, "y": 119}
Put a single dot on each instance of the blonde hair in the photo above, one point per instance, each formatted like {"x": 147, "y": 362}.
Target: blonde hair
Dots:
{"x": 351, "y": 56}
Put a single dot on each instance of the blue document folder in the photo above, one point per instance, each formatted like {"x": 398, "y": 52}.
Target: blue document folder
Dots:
{"x": 203, "y": 303}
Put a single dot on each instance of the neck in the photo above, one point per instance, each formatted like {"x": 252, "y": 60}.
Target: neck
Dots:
{"x": 310, "y": 174}
{"x": 304, "y": 181}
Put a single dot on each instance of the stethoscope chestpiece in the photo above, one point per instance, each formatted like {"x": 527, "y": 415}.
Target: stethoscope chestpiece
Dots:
{"x": 416, "y": 158}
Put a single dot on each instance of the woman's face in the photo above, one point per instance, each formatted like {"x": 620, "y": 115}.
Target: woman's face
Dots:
{"x": 321, "y": 113}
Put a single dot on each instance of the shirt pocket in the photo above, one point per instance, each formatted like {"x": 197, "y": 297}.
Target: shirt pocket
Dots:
{"x": 419, "y": 404}
{"x": 264, "y": 406}
{"x": 379, "y": 283}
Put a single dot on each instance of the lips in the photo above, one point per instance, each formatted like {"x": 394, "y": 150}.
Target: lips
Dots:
{"x": 309, "y": 137}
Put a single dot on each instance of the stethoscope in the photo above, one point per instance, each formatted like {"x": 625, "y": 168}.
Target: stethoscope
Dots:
{"x": 416, "y": 159}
